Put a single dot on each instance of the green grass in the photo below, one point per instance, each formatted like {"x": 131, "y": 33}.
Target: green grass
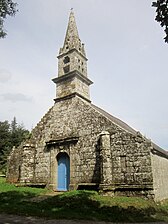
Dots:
{"x": 86, "y": 205}
{"x": 5, "y": 187}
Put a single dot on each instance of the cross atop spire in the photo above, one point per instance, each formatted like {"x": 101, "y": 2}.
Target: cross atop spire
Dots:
{"x": 72, "y": 40}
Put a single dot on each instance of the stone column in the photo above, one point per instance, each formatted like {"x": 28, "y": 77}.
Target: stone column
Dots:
{"x": 105, "y": 155}
{"x": 27, "y": 169}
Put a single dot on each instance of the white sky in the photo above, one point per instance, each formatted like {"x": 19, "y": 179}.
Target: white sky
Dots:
{"x": 128, "y": 61}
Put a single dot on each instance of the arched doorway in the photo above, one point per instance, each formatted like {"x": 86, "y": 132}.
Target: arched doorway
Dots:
{"x": 63, "y": 174}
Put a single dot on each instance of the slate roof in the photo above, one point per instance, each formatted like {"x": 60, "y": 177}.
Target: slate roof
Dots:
{"x": 126, "y": 127}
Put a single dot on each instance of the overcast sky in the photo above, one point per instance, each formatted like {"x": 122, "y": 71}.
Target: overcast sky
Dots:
{"x": 128, "y": 61}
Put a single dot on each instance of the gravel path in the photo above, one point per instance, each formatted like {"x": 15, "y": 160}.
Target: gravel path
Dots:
{"x": 12, "y": 219}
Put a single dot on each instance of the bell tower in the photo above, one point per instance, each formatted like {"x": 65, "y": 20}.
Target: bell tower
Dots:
{"x": 72, "y": 77}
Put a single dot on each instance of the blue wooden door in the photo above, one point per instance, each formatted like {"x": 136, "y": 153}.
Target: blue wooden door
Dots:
{"x": 63, "y": 172}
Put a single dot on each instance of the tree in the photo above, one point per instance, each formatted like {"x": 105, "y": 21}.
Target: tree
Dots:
{"x": 7, "y": 8}
{"x": 18, "y": 133}
{"x": 10, "y": 135}
{"x": 5, "y": 143}
{"x": 162, "y": 15}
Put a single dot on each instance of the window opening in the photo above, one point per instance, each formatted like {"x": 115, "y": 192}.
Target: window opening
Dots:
{"x": 66, "y": 60}
{"x": 66, "y": 69}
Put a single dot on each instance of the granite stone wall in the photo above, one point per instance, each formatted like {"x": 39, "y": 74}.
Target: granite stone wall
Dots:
{"x": 14, "y": 162}
{"x": 100, "y": 151}
{"x": 132, "y": 171}
{"x": 70, "y": 86}
{"x": 160, "y": 175}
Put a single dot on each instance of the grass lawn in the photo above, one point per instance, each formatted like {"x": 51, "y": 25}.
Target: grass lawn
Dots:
{"x": 86, "y": 205}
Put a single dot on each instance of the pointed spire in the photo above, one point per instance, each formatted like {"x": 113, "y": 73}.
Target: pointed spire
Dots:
{"x": 72, "y": 40}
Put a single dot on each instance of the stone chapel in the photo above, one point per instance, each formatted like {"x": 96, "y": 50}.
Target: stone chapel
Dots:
{"x": 78, "y": 145}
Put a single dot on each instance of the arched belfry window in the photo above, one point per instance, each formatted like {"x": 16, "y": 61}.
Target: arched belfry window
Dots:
{"x": 66, "y": 60}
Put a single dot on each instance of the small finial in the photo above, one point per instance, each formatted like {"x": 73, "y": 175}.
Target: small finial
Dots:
{"x": 71, "y": 9}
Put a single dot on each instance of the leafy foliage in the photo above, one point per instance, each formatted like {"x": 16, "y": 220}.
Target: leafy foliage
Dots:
{"x": 162, "y": 15}
{"x": 10, "y": 135}
{"x": 7, "y": 8}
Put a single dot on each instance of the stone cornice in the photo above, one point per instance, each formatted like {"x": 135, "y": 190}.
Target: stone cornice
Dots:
{"x": 70, "y": 51}
{"x": 71, "y": 75}
{"x": 71, "y": 96}
{"x": 64, "y": 141}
